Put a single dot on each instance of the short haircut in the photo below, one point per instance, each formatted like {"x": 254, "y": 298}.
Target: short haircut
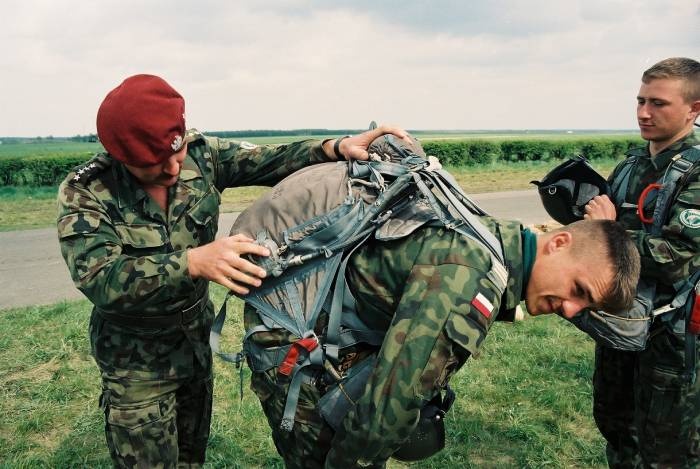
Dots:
{"x": 681, "y": 68}
{"x": 592, "y": 235}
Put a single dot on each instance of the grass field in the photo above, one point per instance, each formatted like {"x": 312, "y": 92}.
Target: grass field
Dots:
{"x": 525, "y": 402}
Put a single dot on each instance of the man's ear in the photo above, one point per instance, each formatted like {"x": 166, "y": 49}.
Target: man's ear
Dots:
{"x": 695, "y": 108}
{"x": 558, "y": 241}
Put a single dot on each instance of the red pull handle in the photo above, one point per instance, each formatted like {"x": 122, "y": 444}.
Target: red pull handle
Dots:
{"x": 694, "y": 325}
{"x": 643, "y": 198}
{"x": 290, "y": 360}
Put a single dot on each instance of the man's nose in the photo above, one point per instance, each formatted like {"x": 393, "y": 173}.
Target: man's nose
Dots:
{"x": 570, "y": 308}
{"x": 643, "y": 111}
{"x": 171, "y": 166}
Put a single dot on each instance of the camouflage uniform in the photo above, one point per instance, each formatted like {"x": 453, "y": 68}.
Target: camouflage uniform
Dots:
{"x": 150, "y": 324}
{"x": 420, "y": 289}
{"x": 644, "y": 407}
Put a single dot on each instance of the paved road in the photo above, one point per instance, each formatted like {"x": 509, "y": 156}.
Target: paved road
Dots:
{"x": 32, "y": 271}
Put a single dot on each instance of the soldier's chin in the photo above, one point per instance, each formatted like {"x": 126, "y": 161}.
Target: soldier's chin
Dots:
{"x": 531, "y": 306}
{"x": 168, "y": 182}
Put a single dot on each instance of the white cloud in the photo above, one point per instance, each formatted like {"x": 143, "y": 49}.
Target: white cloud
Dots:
{"x": 307, "y": 63}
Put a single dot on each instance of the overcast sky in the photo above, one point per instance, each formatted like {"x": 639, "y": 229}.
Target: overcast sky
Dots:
{"x": 263, "y": 64}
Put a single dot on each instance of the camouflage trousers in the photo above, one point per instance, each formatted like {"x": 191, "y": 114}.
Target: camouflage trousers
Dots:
{"x": 156, "y": 423}
{"x": 307, "y": 445}
{"x": 645, "y": 406}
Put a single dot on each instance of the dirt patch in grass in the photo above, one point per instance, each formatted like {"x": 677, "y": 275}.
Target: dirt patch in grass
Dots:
{"x": 35, "y": 375}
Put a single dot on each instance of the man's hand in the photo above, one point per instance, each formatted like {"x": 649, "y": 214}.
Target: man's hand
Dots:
{"x": 355, "y": 147}
{"x": 220, "y": 261}
{"x": 600, "y": 207}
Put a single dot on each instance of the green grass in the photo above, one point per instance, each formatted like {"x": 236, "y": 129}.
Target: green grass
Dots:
{"x": 47, "y": 148}
{"x": 525, "y": 402}
{"x": 26, "y": 207}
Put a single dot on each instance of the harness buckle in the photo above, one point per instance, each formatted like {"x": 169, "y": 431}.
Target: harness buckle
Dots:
{"x": 681, "y": 163}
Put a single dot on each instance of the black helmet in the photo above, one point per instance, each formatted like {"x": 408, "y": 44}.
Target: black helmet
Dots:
{"x": 567, "y": 189}
{"x": 429, "y": 435}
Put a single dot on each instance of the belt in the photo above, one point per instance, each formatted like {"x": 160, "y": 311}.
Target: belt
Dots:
{"x": 179, "y": 318}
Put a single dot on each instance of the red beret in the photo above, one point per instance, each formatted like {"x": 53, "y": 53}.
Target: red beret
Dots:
{"x": 142, "y": 121}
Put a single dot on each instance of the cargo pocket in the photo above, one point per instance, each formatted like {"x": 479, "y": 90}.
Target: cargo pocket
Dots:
{"x": 133, "y": 416}
{"x": 662, "y": 409}
{"x": 145, "y": 432}
{"x": 666, "y": 396}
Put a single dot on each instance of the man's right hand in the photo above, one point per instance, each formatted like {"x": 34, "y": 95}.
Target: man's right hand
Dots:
{"x": 221, "y": 261}
{"x": 600, "y": 208}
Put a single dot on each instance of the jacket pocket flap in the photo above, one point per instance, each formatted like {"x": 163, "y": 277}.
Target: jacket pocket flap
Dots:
{"x": 77, "y": 223}
{"x": 140, "y": 236}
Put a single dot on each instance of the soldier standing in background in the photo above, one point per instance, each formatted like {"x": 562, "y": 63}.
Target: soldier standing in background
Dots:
{"x": 645, "y": 405}
{"x": 137, "y": 227}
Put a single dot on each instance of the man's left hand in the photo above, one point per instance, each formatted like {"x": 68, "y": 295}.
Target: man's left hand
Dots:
{"x": 355, "y": 147}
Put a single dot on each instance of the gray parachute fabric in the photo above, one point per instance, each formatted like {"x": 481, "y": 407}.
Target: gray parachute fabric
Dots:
{"x": 312, "y": 221}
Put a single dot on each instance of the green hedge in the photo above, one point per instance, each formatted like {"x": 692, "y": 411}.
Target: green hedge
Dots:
{"x": 50, "y": 170}
{"x": 37, "y": 171}
{"x": 463, "y": 152}
{"x": 472, "y": 152}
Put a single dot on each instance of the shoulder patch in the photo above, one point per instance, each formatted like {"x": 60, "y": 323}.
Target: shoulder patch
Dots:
{"x": 483, "y": 305}
{"x": 690, "y": 218}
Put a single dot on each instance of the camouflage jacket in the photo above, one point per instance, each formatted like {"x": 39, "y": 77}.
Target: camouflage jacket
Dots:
{"x": 424, "y": 290}
{"x": 672, "y": 256}
{"x": 130, "y": 258}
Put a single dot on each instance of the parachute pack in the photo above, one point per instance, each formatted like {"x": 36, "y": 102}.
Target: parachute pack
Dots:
{"x": 312, "y": 222}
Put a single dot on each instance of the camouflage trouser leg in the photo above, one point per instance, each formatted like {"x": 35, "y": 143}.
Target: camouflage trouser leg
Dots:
{"x": 613, "y": 405}
{"x": 663, "y": 411}
{"x": 156, "y": 423}
{"x": 306, "y": 446}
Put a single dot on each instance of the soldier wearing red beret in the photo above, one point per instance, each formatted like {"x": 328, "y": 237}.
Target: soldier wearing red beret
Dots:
{"x": 137, "y": 228}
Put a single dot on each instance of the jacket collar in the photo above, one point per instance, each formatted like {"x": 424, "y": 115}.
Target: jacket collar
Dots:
{"x": 130, "y": 193}
{"x": 510, "y": 233}
{"x": 663, "y": 159}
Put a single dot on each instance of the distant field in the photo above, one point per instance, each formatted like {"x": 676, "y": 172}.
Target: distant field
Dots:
{"x": 59, "y": 147}
{"x": 487, "y": 135}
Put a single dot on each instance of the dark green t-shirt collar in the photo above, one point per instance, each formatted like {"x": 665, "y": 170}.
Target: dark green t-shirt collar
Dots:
{"x": 529, "y": 253}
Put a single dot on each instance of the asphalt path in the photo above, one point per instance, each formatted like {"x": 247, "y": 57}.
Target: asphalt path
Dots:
{"x": 32, "y": 271}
